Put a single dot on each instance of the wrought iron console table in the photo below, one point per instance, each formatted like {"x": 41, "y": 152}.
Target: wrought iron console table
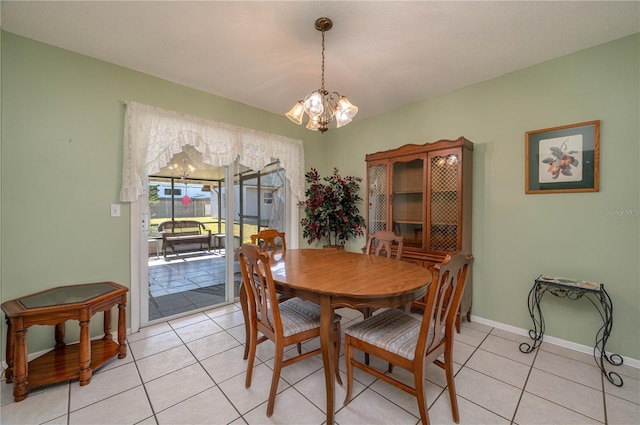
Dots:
{"x": 574, "y": 290}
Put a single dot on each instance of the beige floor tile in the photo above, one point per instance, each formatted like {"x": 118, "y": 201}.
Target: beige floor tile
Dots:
{"x": 226, "y": 365}
{"x": 574, "y": 396}
{"x": 534, "y": 410}
{"x": 490, "y": 393}
{"x": 154, "y": 344}
{"x": 470, "y": 413}
{"x": 403, "y": 399}
{"x": 211, "y": 345}
{"x": 129, "y": 407}
{"x": 291, "y": 408}
{"x": 238, "y": 333}
{"x": 462, "y": 352}
{"x": 229, "y": 320}
{"x": 38, "y": 407}
{"x": 103, "y": 385}
{"x": 313, "y": 387}
{"x": 62, "y": 420}
{"x": 371, "y": 408}
{"x": 178, "y": 386}
{"x": 480, "y": 327}
{"x": 208, "y": 407}
{"x": 437, "y": 375}
{"x": 188, "y": 320}
{"x": 149, "y": 331}
{"x": 630, "y": 389}
{"x": 221, "y": 311}
{"x": 622, "y": 412}
{"x": 298, "y": 371}
{"x": 470, "y": 336}
{"x": 583, "y": 373}
{"x": 567, "y": 352}
{"x": 163, "y": 363}
{"x": 507, "y": 348}
{"x": 502, "y": 368}
{"x": 246, "y": 399}
{"x": 502, "y": 333}
{"x": 198, "y": 330}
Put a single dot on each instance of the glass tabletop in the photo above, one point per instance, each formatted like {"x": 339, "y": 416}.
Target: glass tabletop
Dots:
{"x": 66, "y": 295}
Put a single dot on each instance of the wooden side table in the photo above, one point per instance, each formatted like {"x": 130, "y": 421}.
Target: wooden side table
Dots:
{"x": 54, "y": 307}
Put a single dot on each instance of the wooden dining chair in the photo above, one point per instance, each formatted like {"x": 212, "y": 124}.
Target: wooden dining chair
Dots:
{"x": 380, "y": 243}
{"x": 411, "y": 343}
{"x": 384, "y": 240}
{"x": 283, "y": 322}
{"x": 272, "y": 241}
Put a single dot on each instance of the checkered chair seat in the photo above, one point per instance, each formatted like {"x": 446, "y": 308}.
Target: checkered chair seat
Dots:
{"x": 392, "y": 330}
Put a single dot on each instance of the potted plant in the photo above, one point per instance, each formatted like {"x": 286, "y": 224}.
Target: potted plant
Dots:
{"x": 331, "y": 213}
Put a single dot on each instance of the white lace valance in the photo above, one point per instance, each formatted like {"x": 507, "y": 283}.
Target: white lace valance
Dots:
{"x": 152, "y": 136}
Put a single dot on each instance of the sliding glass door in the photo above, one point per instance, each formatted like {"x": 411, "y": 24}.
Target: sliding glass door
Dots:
{"x": 186, "y": 276}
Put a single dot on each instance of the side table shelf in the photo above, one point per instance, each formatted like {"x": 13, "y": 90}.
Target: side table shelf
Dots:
{"x": 574, "y": 290}
{"x": 62, "y": 364}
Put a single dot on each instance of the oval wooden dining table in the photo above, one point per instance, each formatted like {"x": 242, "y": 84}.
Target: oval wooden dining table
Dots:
{"x": 335, "y": 278}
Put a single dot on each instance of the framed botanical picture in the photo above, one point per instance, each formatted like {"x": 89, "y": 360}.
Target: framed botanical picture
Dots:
{"x": 563, "y": 159}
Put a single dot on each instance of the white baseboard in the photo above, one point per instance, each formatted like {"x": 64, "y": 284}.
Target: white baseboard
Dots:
{"x": 635, "y": 363}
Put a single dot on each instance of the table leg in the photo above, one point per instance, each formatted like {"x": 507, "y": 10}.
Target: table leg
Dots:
{"x": 59, "y": 335}
{"x": 9, "y": 351}
{"x": 122, "y": 330}
{"x": 536, "y": 334}
{"x": 601, "y": 340}
{"x": 326, "y": 342}
{"x": 107, "y": 325}
{"x": 20, "y": 364}
{"x": 85, "y": 353}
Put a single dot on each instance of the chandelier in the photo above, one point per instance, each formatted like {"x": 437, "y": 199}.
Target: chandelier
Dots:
{"x": 321, "y": 106}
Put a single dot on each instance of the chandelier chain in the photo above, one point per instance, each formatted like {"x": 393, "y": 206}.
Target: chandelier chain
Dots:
{"x": 322, "y": 86}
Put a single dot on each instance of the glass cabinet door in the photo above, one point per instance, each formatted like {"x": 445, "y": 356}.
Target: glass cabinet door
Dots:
{"x": 444, "y": 196}
{"x": 378, "y": 203}
{"x": 408, "y": 201}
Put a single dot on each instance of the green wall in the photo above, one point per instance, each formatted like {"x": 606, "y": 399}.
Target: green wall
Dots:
{"x": 62, "y": 116}
{"x": 62, "y": 162}
{"x": 517, "y": 237}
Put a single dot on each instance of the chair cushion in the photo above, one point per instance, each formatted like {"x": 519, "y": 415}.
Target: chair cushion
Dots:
{"x": 298, "y": 316}
{"x": 392, "y": 330}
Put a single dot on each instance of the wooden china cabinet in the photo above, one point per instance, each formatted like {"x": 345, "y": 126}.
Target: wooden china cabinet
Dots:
{"x": 423, "y": 193}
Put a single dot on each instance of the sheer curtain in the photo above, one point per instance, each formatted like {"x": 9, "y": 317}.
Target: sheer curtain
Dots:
{"x": 153, "y": 135}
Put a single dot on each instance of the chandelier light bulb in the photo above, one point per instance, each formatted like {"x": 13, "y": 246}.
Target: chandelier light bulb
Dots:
{"x": 313, "y": 105}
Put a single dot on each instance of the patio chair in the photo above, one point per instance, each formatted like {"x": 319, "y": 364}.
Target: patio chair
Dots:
{"x": 411, "y": 343}
{"x": 283, "y": 322}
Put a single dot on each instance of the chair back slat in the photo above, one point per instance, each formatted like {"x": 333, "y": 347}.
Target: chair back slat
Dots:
{"x": 384, "y": 240}
{"x": 258, "y": 284}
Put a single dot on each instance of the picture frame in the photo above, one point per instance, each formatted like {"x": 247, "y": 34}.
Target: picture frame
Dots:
{"x": 563, "y": 159}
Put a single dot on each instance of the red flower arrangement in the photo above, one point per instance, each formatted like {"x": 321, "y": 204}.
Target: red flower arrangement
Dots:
{"x": 330, "y": 208}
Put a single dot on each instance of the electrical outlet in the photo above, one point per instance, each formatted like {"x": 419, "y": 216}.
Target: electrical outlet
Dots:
{"x": 115, "y": 210}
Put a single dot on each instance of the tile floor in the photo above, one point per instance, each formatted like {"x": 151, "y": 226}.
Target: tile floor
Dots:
{"x": 190, "y": 371}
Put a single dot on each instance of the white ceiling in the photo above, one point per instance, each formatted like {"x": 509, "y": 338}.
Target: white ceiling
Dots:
{"x": 381, "y": 54}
